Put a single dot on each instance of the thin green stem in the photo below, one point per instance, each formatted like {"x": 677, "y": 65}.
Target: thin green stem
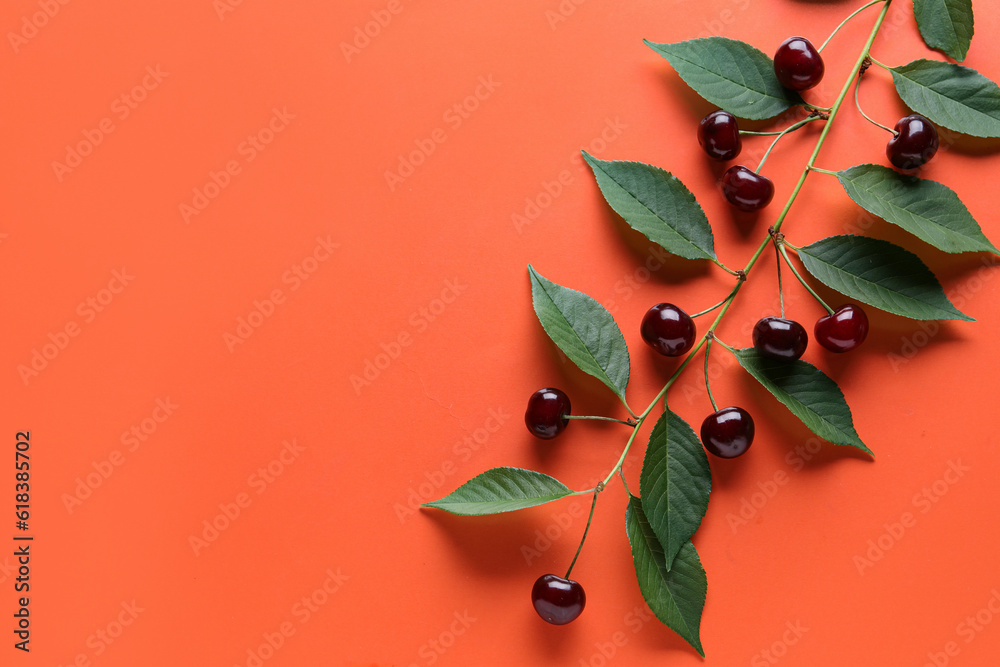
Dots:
{"x": 621, "y": 473}
{"x": 708, "y": 383}
{"x": 784, "y": 253}
{"x": 606, "y": 419}
{"x": 752, "y": 133}
{"x": 718, "y": 305}
{"x": 781, "y": 291}
{"x": 885, "y": 67}
{"x": 825, "y": 171}
{"x": 857, "y": 103}
{"x": 790, "y": 128}
{"x": 628, "y": 446}
{"x": 593, "y": 504}
{"x": 844, "y": 22}
{"x": 724, "y": 267}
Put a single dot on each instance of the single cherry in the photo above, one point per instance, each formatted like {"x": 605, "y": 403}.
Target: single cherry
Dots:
{"x": 779, "y": 338}
{"x": 843, "y": 331}
{"x": 668, "y": 329}
{"x": 746, "y": 190}
{"x": 727, "y": 433}
{"x": 915, "y": 143}
{"x": 797, "y": 64}
{"x": 546, "y": 413}
{"x": 557, "y": 600}
{"x": 719, "y": 135}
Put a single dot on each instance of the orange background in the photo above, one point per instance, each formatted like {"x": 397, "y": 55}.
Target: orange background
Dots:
{"x": 319, "y": 556}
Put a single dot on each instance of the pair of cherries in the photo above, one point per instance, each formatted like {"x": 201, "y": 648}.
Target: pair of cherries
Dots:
{"x": 799, "y": 66}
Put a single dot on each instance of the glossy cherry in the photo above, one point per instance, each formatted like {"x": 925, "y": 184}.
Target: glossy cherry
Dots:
{"x": 558, "y": 601}
{"x": 719, "y": 135}
{"x": 727, "y": 433}
{"x": 780, "y": 338}
{"x": 797, "y": 64}
{"x": 843, "y": 331}
{"x": 746, "y": 190}
{"x": 545, "y": 416}
{"x": 915, "y": 143}
{"x": 668, "y": 329}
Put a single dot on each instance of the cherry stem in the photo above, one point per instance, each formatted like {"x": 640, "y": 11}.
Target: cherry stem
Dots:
{"x": 593, "y": 504}
{"x": 857, "y": 103}
{"x": 790, "y": 128}
{"x": 727, "y": 304}
{"x": 781, "y": 291}
{"x": 825, "y": 171}
{"x": 708, "y": 385}
{"x": 784, "y": 253}
{"x": 844, "y": 22}
{"x": 630, "y": 422}
{"x": 742, "y": 277}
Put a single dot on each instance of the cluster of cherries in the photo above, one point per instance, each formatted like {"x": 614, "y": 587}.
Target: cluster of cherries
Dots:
{"x": 729, "y": 432}
{"x": 726, "y": 433}
{"x": 799, "y": 66}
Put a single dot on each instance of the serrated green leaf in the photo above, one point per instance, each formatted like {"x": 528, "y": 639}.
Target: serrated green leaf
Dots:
{"x": 583, "y": 329}
{"x": 880, "y": 274}
{"x": 675, "y": 596}
{"x": 927, "y": 209}
{"x": 675, "y": 483}
{"x": 501, "y": 490}
{"x": 731, "y": 74}
{"x": 951, "y": 95}
{"x": 946, "y": 25}
{"x": 808, "y": 393}
{"x": 656, "y": 203}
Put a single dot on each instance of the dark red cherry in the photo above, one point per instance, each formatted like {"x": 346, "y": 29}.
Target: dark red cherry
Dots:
{"x": 719, "y": 135}
{"x": 797, "y": 64}
{"x": 727, "y": 433}
{"x": 668, "y": 329}
{"x": 778, "y": 338}
{"x": 546, "y": 413}
{"x": 843, "y": 331}
{"x": 746, "y": 190}
{"x": 915, "y": 143}
{"x": 557, "y": 600}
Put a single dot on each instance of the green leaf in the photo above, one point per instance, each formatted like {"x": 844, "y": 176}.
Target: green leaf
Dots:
{"x": 730, "y": 74}
{"x": 501, "y": 490}
{"x": 809, "y": 393}
{"x": 675, "y": 483}
{"x": 880, "y": 274}
{"x": 657, "y": 204}
{"x": 946, "y": 25}
{"x": 951, "y": 95}
{"x": 929, "y": 210}
{"x": 676, "y": 596}
{"x": 583, "y": 329}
